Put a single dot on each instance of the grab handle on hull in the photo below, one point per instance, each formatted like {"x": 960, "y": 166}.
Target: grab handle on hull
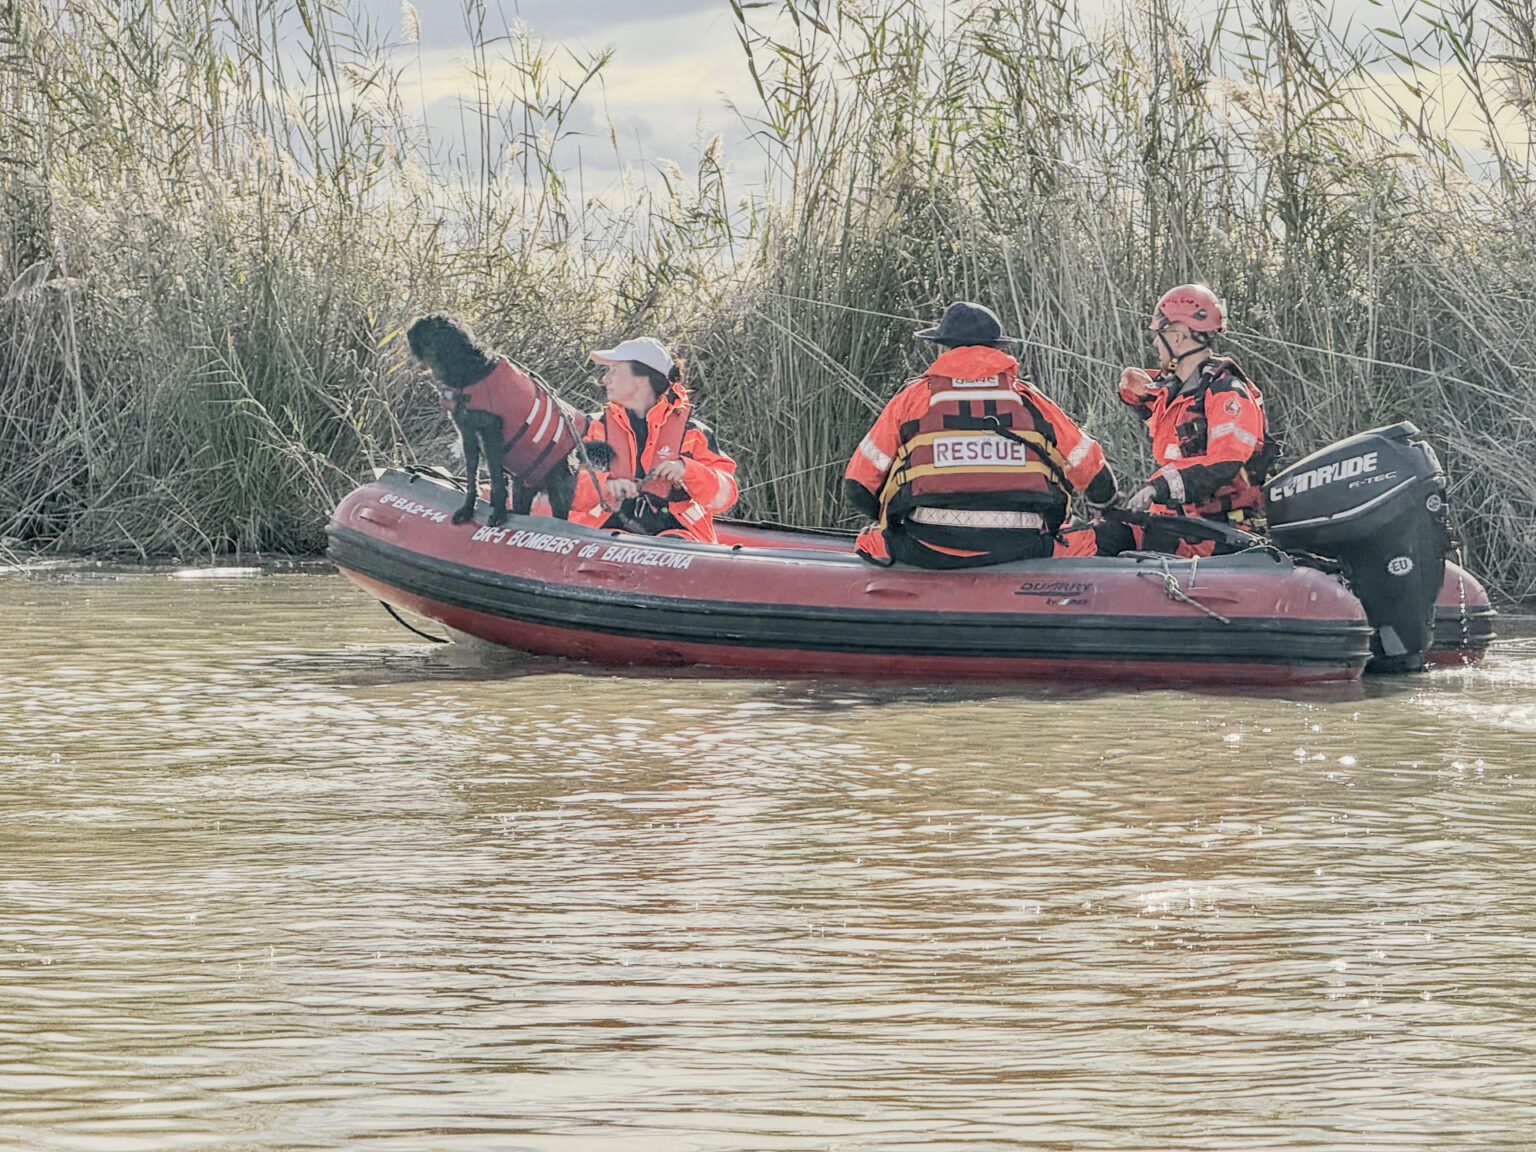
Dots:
{"x": 602, "y": 571}
{"x": 877, "y": 588}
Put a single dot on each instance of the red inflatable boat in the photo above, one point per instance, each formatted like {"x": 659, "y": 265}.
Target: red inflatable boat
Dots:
{"x": 781, "y": 600}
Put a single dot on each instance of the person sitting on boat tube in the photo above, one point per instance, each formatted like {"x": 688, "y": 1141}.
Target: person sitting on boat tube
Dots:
{"x": 969, "y": 464}
{"x": 662, "y": 473}
{"x": 1206, "y": 419}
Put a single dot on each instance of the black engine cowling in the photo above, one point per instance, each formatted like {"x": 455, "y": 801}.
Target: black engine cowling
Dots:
{"x": 1376, "y": 503}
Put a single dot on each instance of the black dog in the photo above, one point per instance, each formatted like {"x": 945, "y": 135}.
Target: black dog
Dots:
{"x": 460, "y": 363}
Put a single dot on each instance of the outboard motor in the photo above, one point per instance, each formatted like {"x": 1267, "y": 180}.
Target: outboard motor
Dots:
{"x": 1375, "y": 503}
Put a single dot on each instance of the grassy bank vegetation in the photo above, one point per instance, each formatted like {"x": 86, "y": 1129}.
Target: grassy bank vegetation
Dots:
{"x": 212, "y": 244}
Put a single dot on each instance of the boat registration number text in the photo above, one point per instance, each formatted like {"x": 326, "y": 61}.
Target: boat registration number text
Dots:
{"x": 413, "y": 508}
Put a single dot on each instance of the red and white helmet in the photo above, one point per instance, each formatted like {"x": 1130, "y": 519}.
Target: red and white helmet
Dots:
{"x": 1193, "y": 305}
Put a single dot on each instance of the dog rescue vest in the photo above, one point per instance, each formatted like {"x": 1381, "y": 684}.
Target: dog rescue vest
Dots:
{"x": 1221, "y": 422}
{"x": 970, "y": 438}
{"x": 538, "y": 431}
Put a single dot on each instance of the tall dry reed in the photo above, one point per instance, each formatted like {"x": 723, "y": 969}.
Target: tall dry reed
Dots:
{"x": 212, "y": 243}
{"x": 1377, "y": 268}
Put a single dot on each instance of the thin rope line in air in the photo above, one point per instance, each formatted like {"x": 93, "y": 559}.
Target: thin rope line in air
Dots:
{"x": 1237, "y": 336}
{"x": 841, "y": 307}
{"x": 791, "y": 475}
{"x": 1355, "y": 356}
{"x": 883, "y": 316}
{"x": 909, "y": 320}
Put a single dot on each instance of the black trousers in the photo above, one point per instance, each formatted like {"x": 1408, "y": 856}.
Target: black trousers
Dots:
{"x": 993, "y": 545}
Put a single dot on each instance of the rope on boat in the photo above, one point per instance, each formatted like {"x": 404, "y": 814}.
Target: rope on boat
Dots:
{"x": 1461, "y": 597}
{"x": 411, "y": 627}
{"x": 1171, "y": 584}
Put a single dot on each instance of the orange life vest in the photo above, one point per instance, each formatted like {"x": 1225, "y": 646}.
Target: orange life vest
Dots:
{"x": 665, "y": 443}
{"x": 687, "y": 508}
{"x": 977, "y": 443}
{"x": 1222, "y": 420}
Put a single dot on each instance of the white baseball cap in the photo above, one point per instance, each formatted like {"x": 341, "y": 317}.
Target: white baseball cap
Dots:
{"x": 647, "y": 349}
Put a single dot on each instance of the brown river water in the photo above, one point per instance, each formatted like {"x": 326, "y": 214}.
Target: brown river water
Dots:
{"x": 278, "y": 875}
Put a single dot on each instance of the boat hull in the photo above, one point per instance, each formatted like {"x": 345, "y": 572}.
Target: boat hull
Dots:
{"x": 1463, "y": 620}
{"x": 802, "y": 603}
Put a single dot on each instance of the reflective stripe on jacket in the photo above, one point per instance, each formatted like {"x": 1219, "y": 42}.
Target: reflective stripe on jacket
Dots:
{"x": 1209, "y": 441}
{"x": 709, "y": 476}
{"x": 970, "y": 434}
{"x": 537, "y": 430}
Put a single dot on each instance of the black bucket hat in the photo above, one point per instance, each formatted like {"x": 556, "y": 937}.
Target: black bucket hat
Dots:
{"x": 965, "y": 323}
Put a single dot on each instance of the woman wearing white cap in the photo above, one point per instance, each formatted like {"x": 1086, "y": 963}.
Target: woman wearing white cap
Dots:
{"x": 665, "y": 475}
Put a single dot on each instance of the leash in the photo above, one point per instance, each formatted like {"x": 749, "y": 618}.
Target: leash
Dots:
{"x": 1073, "y": 353}
{"x": 630, "y": 524}
{"x": 567, "y": 414}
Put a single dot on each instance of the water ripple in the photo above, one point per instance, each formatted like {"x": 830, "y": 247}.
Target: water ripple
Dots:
{"x": 276, "y": 879}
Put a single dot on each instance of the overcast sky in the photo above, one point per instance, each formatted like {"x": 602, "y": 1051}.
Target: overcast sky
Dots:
{"x": 675, "y": 64}
{"x": 442, "y": 21}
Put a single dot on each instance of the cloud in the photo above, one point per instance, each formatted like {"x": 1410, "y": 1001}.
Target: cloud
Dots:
{"x": 662, "y": 95}
{"x": 443, "y": 24}
{"x": 1446, "y": 102}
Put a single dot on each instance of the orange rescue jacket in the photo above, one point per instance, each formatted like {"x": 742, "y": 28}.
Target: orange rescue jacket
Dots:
{"x": 969, "y": 434}
{"x": 709, "y": 476}
{"x": 1209, "y": 440}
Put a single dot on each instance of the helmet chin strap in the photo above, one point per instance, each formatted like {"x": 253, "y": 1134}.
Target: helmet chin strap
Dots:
{"x": 1171, "y": 359}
